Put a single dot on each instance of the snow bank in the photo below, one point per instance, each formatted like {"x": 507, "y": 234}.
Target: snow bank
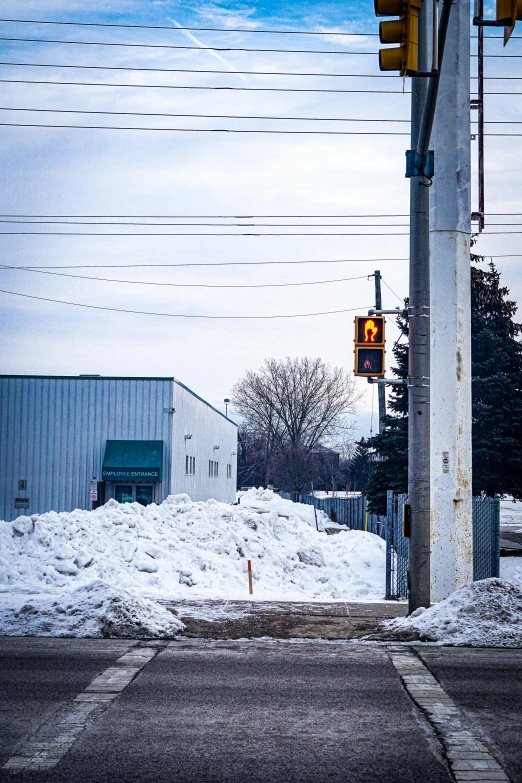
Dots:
{"x": 511, "y": 513}
{"x": 511, "y": 569}
{"x": 483, "y": 614}
{"x": 181, "y": 549}
{"x": 96, "y": 610}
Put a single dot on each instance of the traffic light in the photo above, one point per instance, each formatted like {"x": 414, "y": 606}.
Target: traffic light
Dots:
{"x": 369, "y": 346}
{"x": 508, "y": 12}
{"x": 403, "y": 31}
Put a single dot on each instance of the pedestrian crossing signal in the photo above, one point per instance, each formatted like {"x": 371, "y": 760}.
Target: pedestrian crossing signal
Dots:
{"x": 369, "y": 346}
{"x": 369, "y": 330}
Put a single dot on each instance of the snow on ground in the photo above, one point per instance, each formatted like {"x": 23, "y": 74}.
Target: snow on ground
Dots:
{"x": 511, "y": 513}
{"x": 265, "y": 500}
{"x": 511, "y": 569}
{"x": 180, "y": 550}
{"x": 483, "y": 614}
{"x": 96, "y": 610}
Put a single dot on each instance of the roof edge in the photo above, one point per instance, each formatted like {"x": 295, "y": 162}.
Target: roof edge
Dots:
{"x": 206, "y": 403}
{"x": 93, "y": 377}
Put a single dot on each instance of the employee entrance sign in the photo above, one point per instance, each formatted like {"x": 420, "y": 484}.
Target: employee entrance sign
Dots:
{"x": 369, "y": 346}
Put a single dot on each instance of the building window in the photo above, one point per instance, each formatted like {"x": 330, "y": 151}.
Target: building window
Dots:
{"x": 190, "y": 465}
{"x": 186, "y": 465}
{"x": 216, "y": 469}
{"x": 229, "y": 471}
{"x": 213, "y": 468}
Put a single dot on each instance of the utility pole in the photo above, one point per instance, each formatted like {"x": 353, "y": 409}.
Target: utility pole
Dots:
{"x": 451, "y": 498}
{"x": 380, "y": 386}
{"x": 419, "y": 352}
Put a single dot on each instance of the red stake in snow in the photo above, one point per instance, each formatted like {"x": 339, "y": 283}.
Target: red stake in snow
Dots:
{"x": 250, "y": 585}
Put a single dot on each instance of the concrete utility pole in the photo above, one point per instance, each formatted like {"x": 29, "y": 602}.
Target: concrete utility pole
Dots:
{"x": 419, "y": 353}
{"x": 380, "y": 386}
{"x": 451, "y": 499}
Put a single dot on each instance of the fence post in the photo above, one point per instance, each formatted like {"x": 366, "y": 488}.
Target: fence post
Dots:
{"x": 389, "y": 541}
{"x": 495, "y": 553}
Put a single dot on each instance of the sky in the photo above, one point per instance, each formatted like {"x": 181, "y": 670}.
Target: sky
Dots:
{"x": 221, "y": 181}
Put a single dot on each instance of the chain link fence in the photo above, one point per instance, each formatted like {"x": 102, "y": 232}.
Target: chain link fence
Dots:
{"x": 486, "y": 543}
{"x": 352, "y": 512}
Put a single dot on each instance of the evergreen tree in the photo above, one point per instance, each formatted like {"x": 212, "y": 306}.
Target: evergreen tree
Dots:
{"x": 496, "y": 355}
{"x": 359, "y": 471}
{"x": 496, "y": 386}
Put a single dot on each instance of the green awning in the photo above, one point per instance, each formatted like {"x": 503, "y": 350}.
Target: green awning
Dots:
{"x": 132, "y": 460}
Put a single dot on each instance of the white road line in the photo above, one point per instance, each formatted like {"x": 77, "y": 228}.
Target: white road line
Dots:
{"x": 44, "y": 749}
{"x": 468, "y": 757}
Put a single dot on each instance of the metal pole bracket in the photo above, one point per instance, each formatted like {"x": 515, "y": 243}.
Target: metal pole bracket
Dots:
{"x": 420, "y": 165}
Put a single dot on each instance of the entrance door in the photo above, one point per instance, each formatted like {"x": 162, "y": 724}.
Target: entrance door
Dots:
{"x": 143, "y": 495}
{"x": 134, "y": 493}
{"x": 123, "y": 493}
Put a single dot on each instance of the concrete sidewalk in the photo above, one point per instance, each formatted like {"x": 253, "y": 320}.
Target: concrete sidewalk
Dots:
{"x": 207, "y": 619}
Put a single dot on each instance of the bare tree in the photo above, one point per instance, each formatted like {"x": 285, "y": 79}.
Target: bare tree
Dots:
{"x": 295, "y": 402}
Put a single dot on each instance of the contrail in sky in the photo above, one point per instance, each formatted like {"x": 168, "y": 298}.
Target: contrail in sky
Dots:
{"x": 208, "y": 49}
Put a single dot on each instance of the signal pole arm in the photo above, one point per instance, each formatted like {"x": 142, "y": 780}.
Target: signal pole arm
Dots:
{"x": 397, "y": 311}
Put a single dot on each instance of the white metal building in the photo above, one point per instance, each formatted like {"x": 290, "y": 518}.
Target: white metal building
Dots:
{"x": 75, "y": 442}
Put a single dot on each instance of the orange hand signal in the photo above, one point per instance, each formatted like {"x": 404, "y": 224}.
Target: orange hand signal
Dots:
{"x": 370, "y": 331}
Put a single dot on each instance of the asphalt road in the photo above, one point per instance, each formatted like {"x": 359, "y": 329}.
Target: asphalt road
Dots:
{"x": 206, "y": 712}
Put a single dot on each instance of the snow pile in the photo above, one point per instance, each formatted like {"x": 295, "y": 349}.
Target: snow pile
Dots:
{"x": 483, "y": 614}
{"x": 511, "y": 569}
{"x": 265, "y": 500}
{"x": 185, "y": 549}
{"x": 96, "y": 610}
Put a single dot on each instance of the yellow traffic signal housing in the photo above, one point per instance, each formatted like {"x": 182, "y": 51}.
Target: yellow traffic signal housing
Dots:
{"x": 369, "y": 362}
{"x": 508, "y": 13}
{"x": 404, "y": 31}
{"x": 369, "y": 346}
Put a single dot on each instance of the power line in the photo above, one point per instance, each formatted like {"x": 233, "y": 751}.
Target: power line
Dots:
{"x": 211, "y": 87}
{"x": 227, "y": 72}
{"x": 230, "y": 234}
{"x": 208, "y": 29}
{"x": 206, "y": 87}
{"x": 269, "y": 131}
{"x": 243, "y": 263}
{"x": 200, "y": 116}
{"x": 215, "y": 217}
{"x": 193, "y": 48}
{"x": 239, "y": 217}
{"x": 219, "y": 263}
{"x": 220, "y": 48}
{"x": 226, "y": 225}
{"x": 217, "y": 130}
{"x": 391, "y": 289}
{"x": 183, "y": 285}
{"x": 179, "y": 27}
{"x": 184, "y": 315}
{"x": 200, "y": 234}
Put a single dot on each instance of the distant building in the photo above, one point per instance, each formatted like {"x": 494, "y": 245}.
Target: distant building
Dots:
{"x": 74, "y": 442}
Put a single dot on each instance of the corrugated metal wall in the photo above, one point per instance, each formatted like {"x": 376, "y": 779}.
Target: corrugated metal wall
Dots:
{"x": 53, "y": 433}
{"x": 208, "y": 428}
